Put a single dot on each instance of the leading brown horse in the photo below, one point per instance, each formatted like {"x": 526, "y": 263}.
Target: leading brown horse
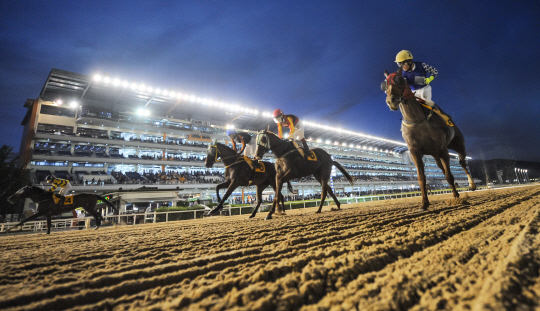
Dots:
{"x": 290, "y": 164}
{"x": 425, "y": 133}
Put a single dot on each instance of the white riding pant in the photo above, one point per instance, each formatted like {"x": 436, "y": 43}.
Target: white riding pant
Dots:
{"x": 249, "y": 151}
{"x": 65, "y": 190}
{"x": 425, "y": 94}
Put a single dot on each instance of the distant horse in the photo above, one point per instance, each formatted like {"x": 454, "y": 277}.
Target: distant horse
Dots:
{"x": 47, "y": 206}
{"x": 290, "y": 165}
{"x": 238, "y": 173}
{"x": 425, "y": 133}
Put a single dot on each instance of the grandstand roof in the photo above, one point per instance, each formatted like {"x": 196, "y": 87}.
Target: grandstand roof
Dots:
{"x": 82, "y": 89}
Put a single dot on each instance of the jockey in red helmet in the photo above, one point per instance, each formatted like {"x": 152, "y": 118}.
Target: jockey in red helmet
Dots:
{"x": 290, "y": 121}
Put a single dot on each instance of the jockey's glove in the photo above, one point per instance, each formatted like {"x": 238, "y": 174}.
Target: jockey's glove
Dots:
{"x": 428, "y": 80}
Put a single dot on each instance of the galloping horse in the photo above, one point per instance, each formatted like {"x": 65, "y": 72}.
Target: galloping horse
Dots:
{"x": 238, "y": 173}
{"x": 47, "y": 206}
{"x": 425, "y": 133}
{"x": 290, "y": 164}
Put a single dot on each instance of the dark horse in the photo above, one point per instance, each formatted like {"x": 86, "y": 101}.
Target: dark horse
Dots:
{"x": 290, "y": 164}
{"x": 47, "y": 207}
{"x": 425, "y": 133}
{"x": 238, "y": 173}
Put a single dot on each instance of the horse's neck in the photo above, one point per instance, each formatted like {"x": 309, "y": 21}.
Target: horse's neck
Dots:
{"x": 412, "y": 111}
{"x": 279, "y": 147}
{"x": 38, "y": 194}
{"x": 227, "y": 154}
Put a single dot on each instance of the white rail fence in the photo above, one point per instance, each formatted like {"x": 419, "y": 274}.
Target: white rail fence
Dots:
{"x": 157, "y": 217}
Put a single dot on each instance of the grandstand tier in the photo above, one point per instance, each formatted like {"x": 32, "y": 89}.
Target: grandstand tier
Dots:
{"x": 108, "y": 137}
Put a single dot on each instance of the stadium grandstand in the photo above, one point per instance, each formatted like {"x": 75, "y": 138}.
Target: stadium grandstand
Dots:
{"x": 144, "y": 145}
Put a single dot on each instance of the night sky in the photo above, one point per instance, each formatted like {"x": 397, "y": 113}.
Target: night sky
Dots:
{"x": 321, "y": 60}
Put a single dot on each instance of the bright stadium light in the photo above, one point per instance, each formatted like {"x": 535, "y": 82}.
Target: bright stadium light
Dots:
{"x": 106, "y": 79}
{"x": 143, "y": 112}
{"x": 74, "y": 104}
{"x": 157, "y": 91}
{"x": 172, "y": 94}
{"x": 125, "y": 84}
{"x": 97, "y": 77}
{"x": 58, "y": 102}
{"x": 116, "y": 82}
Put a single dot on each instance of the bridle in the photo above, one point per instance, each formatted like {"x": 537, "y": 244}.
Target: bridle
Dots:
{"x": 405, "y": 94}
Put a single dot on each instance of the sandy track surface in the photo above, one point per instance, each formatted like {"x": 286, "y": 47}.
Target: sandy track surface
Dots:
{"x": 479, "y": 253}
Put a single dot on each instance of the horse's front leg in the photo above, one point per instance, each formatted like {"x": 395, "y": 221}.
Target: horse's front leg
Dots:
{"x": 49, "y": 223}
{"x": 417, "y": 158}
{"x": 260, "y": 189}
{"x": 221, "y": 186}
{"x": 232, "y": 186}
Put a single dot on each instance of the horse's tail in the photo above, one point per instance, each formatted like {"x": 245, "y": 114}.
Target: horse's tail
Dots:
{"x": 344, "y": 172}
{"x": 289, "y": 186}
{"x": 106, "y": 202}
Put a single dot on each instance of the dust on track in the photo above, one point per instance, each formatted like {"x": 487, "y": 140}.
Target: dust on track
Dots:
{"x": 478, "y": 253}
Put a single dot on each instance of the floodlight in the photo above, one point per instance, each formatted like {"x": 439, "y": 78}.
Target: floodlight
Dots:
{"x": 97, "y": 78}
{"x": 74, "y": 104}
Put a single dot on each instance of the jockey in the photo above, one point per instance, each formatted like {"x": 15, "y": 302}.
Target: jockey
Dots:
{"x": 416, "y": 74}
{"x": 289, "y": 120}
{"x": 57, "y": 182}
{"x": 248, "y": 148}
{"x": 241, "y": 138}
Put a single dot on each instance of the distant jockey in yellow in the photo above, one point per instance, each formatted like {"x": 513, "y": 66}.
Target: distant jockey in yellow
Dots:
{"x": 416, "y": 74}
{"x": 64, "y": 184}
{"x": 290, "y": 121}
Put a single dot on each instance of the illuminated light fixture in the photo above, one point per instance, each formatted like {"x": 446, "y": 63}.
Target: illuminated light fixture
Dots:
{"x": 192, "y": 98}
{"x": 370, "y": 148}
{"x": 143, "y": 112}
{"x": 344, "y": 144}
{"x": 198, "y": 100}
{"x": 116, "y": 82}
{"x": 319, "y": 140}
{"x": 351, "y": 145}
{"x": 142, "y": 87}
{"x": 255, "y": 112}
{"x": 336, "y": 143}
{"x": 106, "y": 79}
{"x": 165, "y": 92}
{"x": 359, "y": 147}
{"x": 58, "y": 102}
{"x": 185, "y": 97}
{"x": 329, "y": 142}
{"x": 157, "y": 91}
{"x": 172, "y": 94}
{"x": 149, "y": 89}
{"x": 97, "y": 78}
{"x": 365, "y": 147}
{"x": 179, "y": 96}
{"x": 73, "y": 104}
{"x": 125, "y": 83}
{"x": 133, "y": 86}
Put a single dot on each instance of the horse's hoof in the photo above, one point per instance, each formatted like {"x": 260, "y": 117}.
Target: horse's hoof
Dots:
{"x": 317, "y": 212}
{"x": 97, "y": 227}
{"x": 252, "y": 216}
{"x": 268, "y": 217}
{"x": 422, "y": 209}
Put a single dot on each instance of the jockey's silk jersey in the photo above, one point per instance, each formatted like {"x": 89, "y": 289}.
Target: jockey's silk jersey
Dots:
{"x": 415, "y": 78}
{"x": 290, "y": 121}
{"x": 57, "y": 182}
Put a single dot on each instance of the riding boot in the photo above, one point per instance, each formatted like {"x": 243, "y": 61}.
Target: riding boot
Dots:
{"x": 306, "y": 148}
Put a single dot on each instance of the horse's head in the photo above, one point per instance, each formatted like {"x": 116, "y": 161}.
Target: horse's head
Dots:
{"x": 263, "y": 143}
{"x": 211, "y": 155}
{"x": 395, "y": 87}
{"x": 23, "y": 193}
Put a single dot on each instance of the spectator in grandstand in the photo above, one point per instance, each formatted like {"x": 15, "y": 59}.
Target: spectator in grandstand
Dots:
{"x": 416, "y": 74}
{"x": 289, "y": 120}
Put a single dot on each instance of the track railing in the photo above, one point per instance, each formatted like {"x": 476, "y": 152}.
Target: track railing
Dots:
{"x": 158, "y": 217}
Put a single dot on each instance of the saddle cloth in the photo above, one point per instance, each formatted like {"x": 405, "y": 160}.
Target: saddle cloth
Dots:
{"x": 312, "y": 156}
{"x": 261, "y": 168}
{"x": 68, "y": 199}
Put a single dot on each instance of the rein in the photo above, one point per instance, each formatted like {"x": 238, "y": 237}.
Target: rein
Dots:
{"x": 221, "y": 159}
{"x": 407, "y": 94}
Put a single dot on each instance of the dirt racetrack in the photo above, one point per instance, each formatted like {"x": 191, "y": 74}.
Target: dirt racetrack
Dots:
{"x": 481, "y": 253}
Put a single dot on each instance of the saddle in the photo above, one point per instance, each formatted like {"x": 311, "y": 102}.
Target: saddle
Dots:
{"x": 259, "y": 169}
{"x": 67, "y": 200}
{"x": 311, "y": 157}
{"x": 447, "y": 119}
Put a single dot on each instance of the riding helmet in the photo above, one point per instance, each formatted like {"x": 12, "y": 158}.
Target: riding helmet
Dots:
{"x": 278, "y": 115}
{"x": 50, "y": 177}
{"x": 403, "y": 56}
{"x": 231, "y": 132}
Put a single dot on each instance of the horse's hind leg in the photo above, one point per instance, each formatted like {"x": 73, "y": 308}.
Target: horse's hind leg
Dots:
{"x": 97, "y": 217}
{"x": 444, "y": 163}
{"x": 260, "y": 189}
{"x": 324, "y": 190}
{"x": 49, "y": 223}
{"x": 458, "y": 144}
